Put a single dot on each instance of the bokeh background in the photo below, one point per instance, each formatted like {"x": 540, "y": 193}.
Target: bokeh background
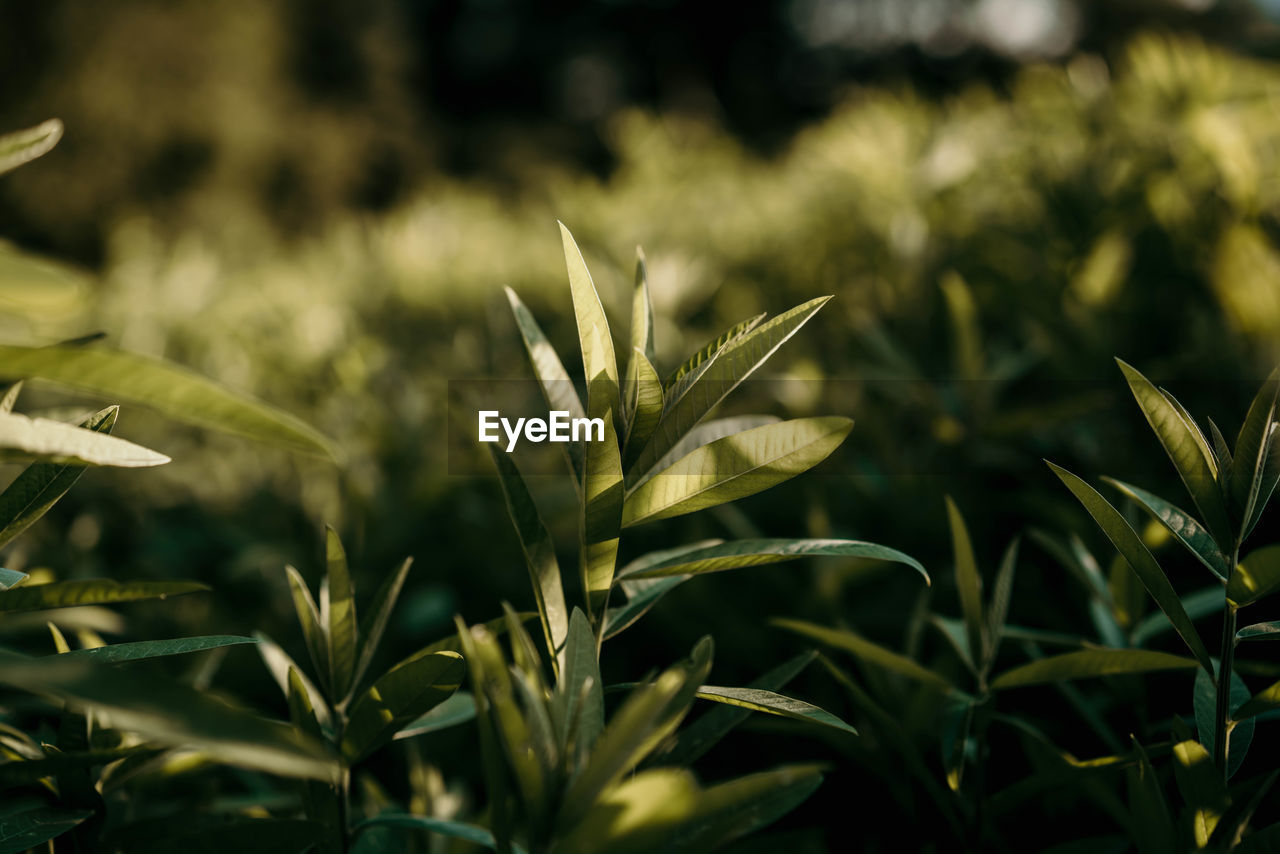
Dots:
{"x": 319, "y": 202}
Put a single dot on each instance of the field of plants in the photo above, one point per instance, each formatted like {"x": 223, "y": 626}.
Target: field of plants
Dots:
{"x": 931, "y": 508}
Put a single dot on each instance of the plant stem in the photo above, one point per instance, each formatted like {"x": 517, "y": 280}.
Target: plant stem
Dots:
{"x": 1225, "y": 664}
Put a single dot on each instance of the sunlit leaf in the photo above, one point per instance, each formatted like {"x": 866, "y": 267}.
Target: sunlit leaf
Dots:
{"x": 137, "y": 650}
{"x": 968, "y": 581}
{"x": 579, "y": 683}
{"x": 24, "y": 146}
{"x": 1186, "y": 448}
{"x": 598, "y": 360}
{"x": 718, "y": 557}
{"x": 39, "y": 487}
{"x": 866, "y": 651}
{"x": 97, "y": 591}
{"x": 539, "y": 554}
{"x": 602, "y": 508}
{"x": 1256, "y": 576}
{"x": 553, "y": 379}
{"x": 400, "y": 696}
{"x": 376, "y": 618}
{"x": 168, "y": 713}
{"x": 1089, "y": 663}
{"x": 312, "y": 628}
{"x": 1130, "y": 546}
{"x": 341, "y": 634}
{"x": 642, "y": 309}
{"x": 1185, "y": 529}
{"x": 731, "y": 365}
{"x": 691, "y": 370}
{"x": 280, "y": 665}
{"x": 735, "y": 467}
{"x": 769, "y": 702}
{"x": 23, "y": 438}
{"x": 1201, "y": 787}
{"x": 703, "y": 434}
{"x": 642, "y": 405}
{"x": 166, "y": 388}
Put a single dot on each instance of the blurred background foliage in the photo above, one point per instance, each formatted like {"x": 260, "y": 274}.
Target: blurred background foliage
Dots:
{"x": 319, "y": 203}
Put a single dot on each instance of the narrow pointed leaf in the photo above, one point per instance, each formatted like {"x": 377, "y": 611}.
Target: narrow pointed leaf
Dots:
{"x": 458, "y": 709}
{"x": 642, "y": 405}
{"x": 553, "y": 379}
{"x": 1184, "y": 527}
{"x": 491, "y": 762}
{"x": 20, "y": 772}
{"x": 642, "y": 309}
{"x": 1270, "y": 476}
{"x": 1089, "y": 663}
{"x": 342, "y": 616}
{"x": 312, "y": 628}
{"x": 1264, "y": 701}
{"x": 168, "y": 713}
{"x": 1198, "y": 605}
{"x": 736, "y": 554}
{"x": 1186, "y": 448}
{"x": 866, "y": 651}
{"x": 97, "y": 591}
{"x": 729, "y": 368}
{"x": 683, "y": 377}
{"x": 1260, "y": 632}
{"x": 375, "y": 620}
{"x": 23, "y": 146}
{"x": 1205, "y": 704}
{"x": 166, "y": 388}
{"x": 403, "y": 694}
{"x": 968, "y": 581}
{"x": 56, "y": 443}
{"x": 1130, "y": 546}
{"x": 39, "y": 487}
{"x": 1237, "y": 817}
{"x": 1201, "y": 787}
{"x": 539, "y": 553}
{"x": 1250, "y": 455}
{"x": 1256, "y": 576}
{"x": 598, "y": 360}
{"x": 10, "y": 398}
{"x": 703, "y": 434}
{"x": 1000, "y": 597}
{"x": 1152, "y": 826}
{"x": 602, "y": 508}
{"x": 641, "y": 596}
{"x": 769, "y": 702}
{"x": 137, "y": 650}
{"x": 280, "y": 665}
{"x": 735, "y": 467}
{"x": 1221, "y": 450}
{"x": 580, "y": 682}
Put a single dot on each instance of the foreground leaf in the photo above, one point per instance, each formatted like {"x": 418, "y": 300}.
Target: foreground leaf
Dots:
{"x": 598, "y": 360}
{"x": 23, "y": 438}
{"x": 601, "y": 518}
{"x": 758, "y": 700}
{"x": 1130, "y": 546}
{"x": 719, "y": 557}
{"x": 39, "y": 487}
{"x": 1087, "y": 664}
{"x": 341, "y": 634}
{"x": 137, "y": 650}
{"x": 735, "y": 467}
{"x": 1260, "y": 632}
{"x": 23, "y": 146}
{"x": 10, "y": 578}
{"x": 165, "y": 387}
{"x": 97, "y": 591}
{"x": 403, "y": 694}
{"x": 456, "y": 710}
{"x": 1256, "y": 576}
{"x": 168, "y": 713}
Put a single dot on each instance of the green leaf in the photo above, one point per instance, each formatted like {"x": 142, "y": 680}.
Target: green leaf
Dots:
{"x": 1220, "y": 448}
{"x": 730, "y": 366}
{"x": 553, "y": 379}
{"x": 1249, "y": 460}
{"x": 866, "y": 651}
{"x": 683, "y": 377}
{"x": 39, "y": 487}
{"x": 166, "y": 388}
{"x": 718, "y": 557}
{"x": 1270, "y": 476}
{"x": 26, "y": 823}
{"x": 1130, "y": 546}
{"x": 1256, "y": 576}
{"x": 1198, "y": 605}
{"x": 403, "y": 694}
{"x": 602, "y": 507}
{"x": 703, "y": 434}
{"x": 641, "y": 596}
{"x": 341, "y": 634}
{"x": 97, "y": 591}
{"x": 735, "y": 467}
{"x": 957, "y": 721}
{"x": 539, "y": 554}
{"x": 649, "y": 715}
{"x": 1205, "y": 703}
{"x": 1187, "y": 449}
{"x": 458, "y": 709}
{"x": 1087, "y": 664}
{"x": 641, "y": 405}
{"x": 759, "y": 700}
{"x": 23, "y": 438}
{"x": 579, "y": 683}
{"x": 642, "y": 309}
{"x": 491, "y": 761}
{"x": 117, "y": 652}
{"x": 168, "y": 713}
{"x": 280, "y": 665}
{"x": 1264, "y": 701}
{"x": 375, "y": 620}
{"x": 1152, "y": 826}
{"x": 10, "y": 578}
{"x": 1185, "y": 529}
{"x": 968, "y": 581}
{"x": 1000, "y": 597}
{"x": 1201, "y": 787}
{"x": 312, "y": 628}
{"x": 10, "y": 398}
{"x": 1259, "y": 632}
{"x": 693, "y": 741}
{"x": 443, "y": 827}
{"x": 598, "y": 360}
{"x": 24, "y": 146}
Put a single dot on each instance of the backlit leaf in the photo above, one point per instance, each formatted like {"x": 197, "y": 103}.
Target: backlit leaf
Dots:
{"x": 23, "y": 438}
{"x": 1256, "y": 576}
{"x": 400, "y": 696}
{"x": 97, "y": 591}
{"x": 1184, "y": 527}
{"x": 1089, "y": 663}
{"x": 769, "y": 702}
{"x": 23, "y": 146}
{"x": 736, "y": 554}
